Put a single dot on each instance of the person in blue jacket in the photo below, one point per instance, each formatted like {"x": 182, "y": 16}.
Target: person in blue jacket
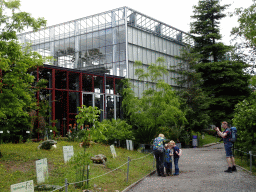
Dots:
{"x": 168, "y": 160}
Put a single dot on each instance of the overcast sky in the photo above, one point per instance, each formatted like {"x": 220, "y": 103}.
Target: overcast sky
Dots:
{"x": 172, "y": 12}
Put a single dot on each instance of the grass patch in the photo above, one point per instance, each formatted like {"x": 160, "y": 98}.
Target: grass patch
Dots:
{"x": 18, "y": 165}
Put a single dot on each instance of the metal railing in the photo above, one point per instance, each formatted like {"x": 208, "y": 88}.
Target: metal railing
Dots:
{"x": 247, "y": 156}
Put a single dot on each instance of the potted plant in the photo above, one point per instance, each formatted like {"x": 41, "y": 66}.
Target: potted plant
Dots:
{"x": 187, "y": 139}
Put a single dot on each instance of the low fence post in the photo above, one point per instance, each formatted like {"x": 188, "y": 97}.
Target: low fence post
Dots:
{"x": 88, "y": 170}
{"x": 128, "y": 170}
{"x": 66, "y": 185}
{"x": 250, "y": 152}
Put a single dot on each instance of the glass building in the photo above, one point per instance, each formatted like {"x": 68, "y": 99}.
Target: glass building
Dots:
{"x": 91, "y": 55}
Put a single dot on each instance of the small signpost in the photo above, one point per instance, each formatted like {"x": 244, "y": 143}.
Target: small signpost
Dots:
{"x": 27, "y": 186}
{"x": 68, "y": 152}
{"x": 129, "y": 145}
{"x": 113, "y": 151}
{"x": 41, "y": 170}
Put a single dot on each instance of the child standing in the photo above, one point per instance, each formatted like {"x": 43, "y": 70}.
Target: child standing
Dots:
{"x": 176, "y": 155}
{"x": 168, "y": 159}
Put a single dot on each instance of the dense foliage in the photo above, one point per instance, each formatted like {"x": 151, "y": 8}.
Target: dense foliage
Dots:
{"x": 195, "y": 100}
{"x": 245, "y": 121}
{"x": 17, "y": 98}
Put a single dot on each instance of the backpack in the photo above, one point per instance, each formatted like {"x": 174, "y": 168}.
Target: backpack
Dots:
{"x": 233, "y": 131}
{"x": 158, "y": 144}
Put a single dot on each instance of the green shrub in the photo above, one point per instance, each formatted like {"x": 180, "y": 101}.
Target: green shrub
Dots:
{"x": 117, "y": 129}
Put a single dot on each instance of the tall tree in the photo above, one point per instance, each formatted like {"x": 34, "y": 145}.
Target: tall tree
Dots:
{"x": 195, "y": 100}
{"x": 17, "y": 97}
{"x": 224, "y": 79}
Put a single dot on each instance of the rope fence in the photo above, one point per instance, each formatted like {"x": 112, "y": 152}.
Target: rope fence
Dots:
{"x": 129, "y": 159}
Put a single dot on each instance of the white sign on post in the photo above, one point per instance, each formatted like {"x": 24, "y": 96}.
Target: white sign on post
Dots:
{"x": 68, "y": 152}
{"x": 113, "y": 151}
{"x": 27, "y": 186}
{"x": 41, "y": 170}
{"x": 129, "y": 145}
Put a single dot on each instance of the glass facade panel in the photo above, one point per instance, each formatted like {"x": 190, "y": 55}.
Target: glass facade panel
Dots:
{"x": 130, "y": 35}
{"x": 168, "y": 47}
{"x": 60, "y": 79}
{"x": 121, "y": 34}
{"x": 164, "y": 46}
{"x": 61, "y": 109}
{"x": 87, "y": 83}
{"x": 74, "y": 81}
{"x": 139, "y": 54}
{"x": 148, "y": 41}
{"x": 130, "y": 53}
{"x": 153, "y": 57}
{"x": 110, "y": 106}
{"x": 139, "y": 38}
{"x": 98, "y": 84}
{"x": 88, "y": 100}
{"x": 99, "y": 102}
{"x": 109, "y": 86}
{"x": 149, "y": 56}
{"x": 46, "y": 74}
{"x": 134, "y": 36}
{"x": 131, "y": 70}
{"x": 160, "y": 44}
{"x": 73, "y": 102}
{"x": 157, "y": 43}
{"x": 144, "y": 39}
{"x": 118, "y": 107}
{"x": 144, "y": 59}
{"x": 135, "y": 53}
{"x": 118, "y": 86}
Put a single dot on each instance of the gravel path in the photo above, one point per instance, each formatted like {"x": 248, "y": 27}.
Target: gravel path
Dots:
{"x": 201, "y": 169}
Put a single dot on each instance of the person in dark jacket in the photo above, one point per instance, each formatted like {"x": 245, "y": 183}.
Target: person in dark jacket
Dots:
{"x": 177, "y": 152}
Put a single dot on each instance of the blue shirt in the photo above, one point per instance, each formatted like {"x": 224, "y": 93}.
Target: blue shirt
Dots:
{"x": 228, "y": 136}
{"x": 167, "y": 157}
{"x": 174, "y": 152}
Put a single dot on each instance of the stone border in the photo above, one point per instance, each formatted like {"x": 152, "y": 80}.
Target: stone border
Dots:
{"x": 135, "y": 183}
{"x": 210, "y": 144}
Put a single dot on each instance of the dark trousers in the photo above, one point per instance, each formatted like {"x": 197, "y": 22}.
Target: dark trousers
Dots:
{"x": 176, "y": 161}
{"x": 168, "y": 167}
{"x": 159, "y": 162}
